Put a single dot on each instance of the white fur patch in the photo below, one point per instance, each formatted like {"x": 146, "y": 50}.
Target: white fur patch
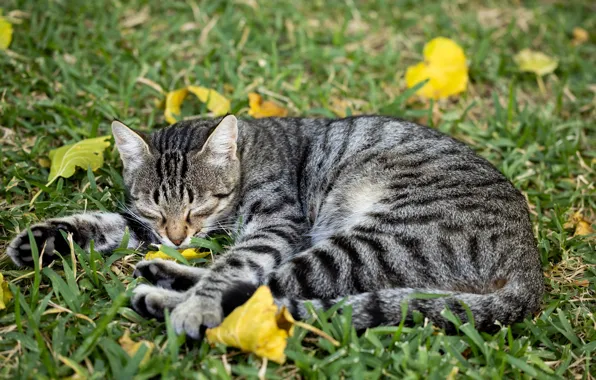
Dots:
{"x": 361, "y": 200}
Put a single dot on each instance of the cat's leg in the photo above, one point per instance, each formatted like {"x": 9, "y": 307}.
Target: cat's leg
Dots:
{"x": 265, "y": 244}
{"x": 105, "y": 229}
{"x": 170, "y": 279}
{"x": 345, "y": 263}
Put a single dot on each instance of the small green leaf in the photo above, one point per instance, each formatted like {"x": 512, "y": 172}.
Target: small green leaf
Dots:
{"x": 85, "y": 153}
{"x": 173, "y": 253}
{"x": 208, "y": 244}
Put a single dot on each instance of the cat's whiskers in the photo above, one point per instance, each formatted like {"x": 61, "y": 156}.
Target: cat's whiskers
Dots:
{"x": 143, "y": 224}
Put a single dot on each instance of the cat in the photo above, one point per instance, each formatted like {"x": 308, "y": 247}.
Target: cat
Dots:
{"x": 368, "y": 211}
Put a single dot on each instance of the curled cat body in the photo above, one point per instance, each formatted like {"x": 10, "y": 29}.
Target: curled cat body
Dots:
{"x": 366, "y": 211}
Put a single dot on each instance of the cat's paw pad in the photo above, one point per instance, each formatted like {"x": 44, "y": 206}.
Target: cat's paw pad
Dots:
{"x": 168, "y": 274}
{"x": 151, "y": 302}
{"x": 47, "y": 237}
{"x": 196, "y": 313}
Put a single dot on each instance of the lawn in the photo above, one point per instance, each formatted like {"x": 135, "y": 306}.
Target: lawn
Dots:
{"x": 74, "y": 65}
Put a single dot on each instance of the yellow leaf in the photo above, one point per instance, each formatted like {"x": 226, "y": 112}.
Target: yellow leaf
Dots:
{"x": 580, "y": 35}
{"x": 216, "y": 102}
{"x": 581, "y": 225}
{"x": 5, "y": 33}
{"x": 131, "y": 347}
{"x": 5, "y": 294}
{"x": 583, "y": 228}
{"x": 260, "y": 108}
{"x": 535, "y": 62}
{"x": 44, "y": 162}
{"x": 256, "y": 327}
{"x": 444, "y": 66}
{"x": 85, "y": 153}
{"x": 188, "y": 254}
{"x": 174, "y": 100}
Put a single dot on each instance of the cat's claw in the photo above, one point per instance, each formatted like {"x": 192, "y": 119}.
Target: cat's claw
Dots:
{"x": 151, "y": 302}
{"x": 195, "y": 314}
{"x": 47, "y": 237}
{"x": 155, "y": 271}
{"x": 169, "y": 274}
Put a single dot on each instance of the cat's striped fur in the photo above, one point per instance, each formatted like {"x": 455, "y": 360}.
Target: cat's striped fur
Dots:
{"x": 370, "y": 210}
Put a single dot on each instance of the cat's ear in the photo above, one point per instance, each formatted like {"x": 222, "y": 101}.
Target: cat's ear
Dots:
{"x": 221, "y": 144}
{"x": 133, "y": 149}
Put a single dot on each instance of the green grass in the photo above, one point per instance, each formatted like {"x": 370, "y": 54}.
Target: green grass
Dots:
{"x": 73, "y": 66}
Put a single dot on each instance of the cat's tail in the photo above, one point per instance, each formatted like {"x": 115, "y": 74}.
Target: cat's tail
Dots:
{"x": 508, "y": 304}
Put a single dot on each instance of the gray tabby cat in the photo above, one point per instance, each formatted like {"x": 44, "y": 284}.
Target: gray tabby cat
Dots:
{"x": 369, "y": 210}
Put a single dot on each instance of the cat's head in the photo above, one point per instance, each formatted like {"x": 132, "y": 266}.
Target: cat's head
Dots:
{"x": 178, "y": 186}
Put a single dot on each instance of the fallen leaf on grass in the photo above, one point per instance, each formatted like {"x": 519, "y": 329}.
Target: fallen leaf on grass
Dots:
{"x": 85, "y": 153}
{"x": 260, "y": 108}
{"x": 254, "y": 327}
{"x": 44, "y": 162}
{"x": 580, "y": 35}
{"x": 188, "y": 254}
{"x": 583, "y": 283}
{"x": 260, "y": 327}
{"x": 582, "y": 226}
{"x": 5, "y": 294}
{"x": 131, "y": 347}
{"x": 444, "y": 66}
{"x": 5, "y": 33}
{"x": 135, "y": 17}
{"x": 535, "y": 62}
{"x": 216, "y": 102}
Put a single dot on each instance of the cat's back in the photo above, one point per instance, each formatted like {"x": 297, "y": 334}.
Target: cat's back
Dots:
{"x": 400, "y": 155}
{"x": 336, "y": 139}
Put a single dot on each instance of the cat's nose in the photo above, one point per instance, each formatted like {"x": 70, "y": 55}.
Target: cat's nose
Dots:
{"x": 176, "y": 233}
{"x": 177, "y": 240}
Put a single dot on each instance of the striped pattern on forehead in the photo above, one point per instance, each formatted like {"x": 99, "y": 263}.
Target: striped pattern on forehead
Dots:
{"x": 182, "y": 138}
{"x": 171, "y": 168}
{"x": 174, "y": 147}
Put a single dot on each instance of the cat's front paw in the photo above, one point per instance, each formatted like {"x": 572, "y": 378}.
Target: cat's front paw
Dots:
{"x": 152, "y": 302}
{"x": 47, "y": 238}
{"x": 195, "y": 314}
{"x": 169, "y": 274}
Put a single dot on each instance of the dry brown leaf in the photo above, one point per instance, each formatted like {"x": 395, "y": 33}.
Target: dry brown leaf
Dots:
{"x": 583, "y": 283}
{"x": 135, "y": 18}
{"x": 580, "y": 35}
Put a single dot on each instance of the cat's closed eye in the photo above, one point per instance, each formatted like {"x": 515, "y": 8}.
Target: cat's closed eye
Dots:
{"x": 153, "y": 215}
{"x": 224, "y": 194}
{"x": 197, "y": 214}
